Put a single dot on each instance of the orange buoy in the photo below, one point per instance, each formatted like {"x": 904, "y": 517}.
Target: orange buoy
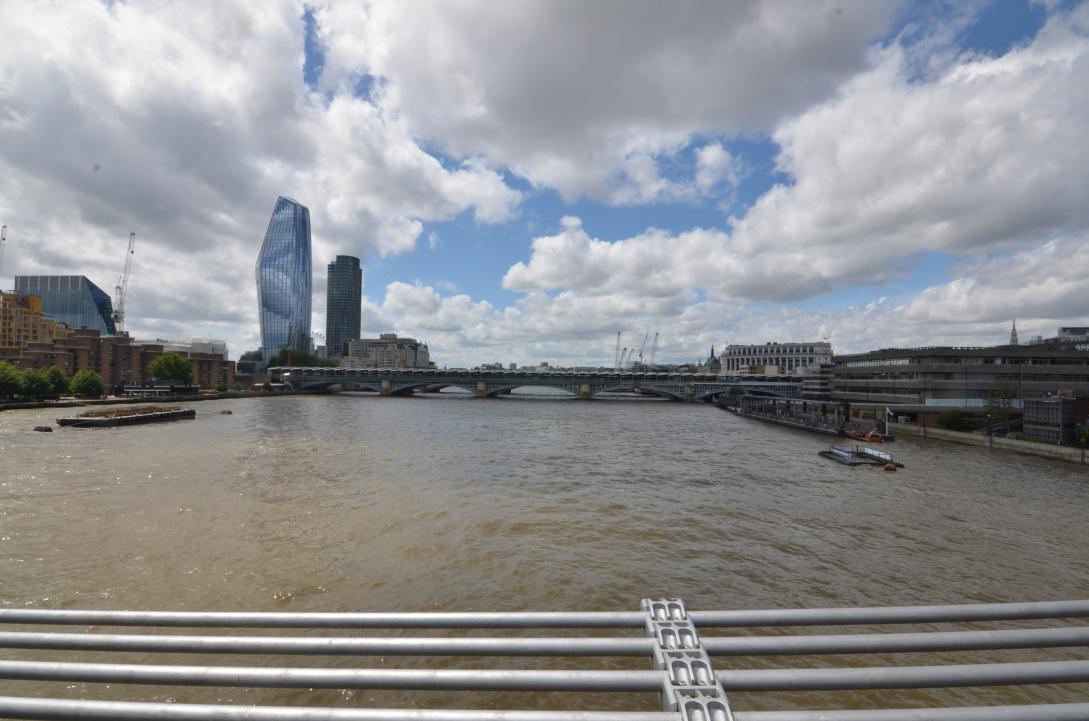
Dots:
{"x": 890, "y": 467}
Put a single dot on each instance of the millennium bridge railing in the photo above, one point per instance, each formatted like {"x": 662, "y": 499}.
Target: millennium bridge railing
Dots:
{"x": 683, "y": 674}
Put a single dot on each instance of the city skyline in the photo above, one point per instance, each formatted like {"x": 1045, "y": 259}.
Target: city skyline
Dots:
{"x": 879, "y": 176}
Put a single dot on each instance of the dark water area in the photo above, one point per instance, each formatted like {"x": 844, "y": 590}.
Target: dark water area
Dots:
{"x": 357, "y": 503}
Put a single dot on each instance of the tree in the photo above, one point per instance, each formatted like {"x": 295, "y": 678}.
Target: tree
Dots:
{"x": 11, "y": 381}
{"x": 172, "y": 367}
{"x": 36, "y": 384}
{"x": 999, "y": 401}
{"x": 221, "y": 387}
{"x": 57, "y": 380}
{"x": 953, "y": 420}
{"x": 87, "y": 383}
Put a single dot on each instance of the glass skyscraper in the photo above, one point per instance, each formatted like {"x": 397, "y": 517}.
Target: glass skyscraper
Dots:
{"x": 344, "y": 293}
{"x": 70, "y": 299}
{"x": 283, "y": 280}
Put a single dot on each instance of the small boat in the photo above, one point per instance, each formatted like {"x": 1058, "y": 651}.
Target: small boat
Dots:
{"x": 871, "y": 436}
{"x": 127, "y": 417}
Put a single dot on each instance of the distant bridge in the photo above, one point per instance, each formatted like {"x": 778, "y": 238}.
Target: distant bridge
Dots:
{"x": 487, "y": 384}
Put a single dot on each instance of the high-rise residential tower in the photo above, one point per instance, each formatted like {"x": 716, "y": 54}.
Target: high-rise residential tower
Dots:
{"x": 283, "y": 280}
{"x": 70, "y": 299}
{"x": 344, "y": 295}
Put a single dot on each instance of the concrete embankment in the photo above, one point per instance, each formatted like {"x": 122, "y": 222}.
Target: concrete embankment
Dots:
{"x": 1043, "y": 450}
{"x": 812, "y": 427}
{"x": 191, "y": 398}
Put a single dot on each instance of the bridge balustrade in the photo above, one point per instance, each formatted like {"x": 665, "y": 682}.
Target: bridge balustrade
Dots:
{"x": 693, "y": 671}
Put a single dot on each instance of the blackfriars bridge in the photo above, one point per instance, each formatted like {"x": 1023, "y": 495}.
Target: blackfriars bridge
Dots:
{"x": 488, "y": 384}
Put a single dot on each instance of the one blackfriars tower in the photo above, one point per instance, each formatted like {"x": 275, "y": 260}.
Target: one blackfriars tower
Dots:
{"x": 283, "y": 280}
{"x": 343, "y": 300}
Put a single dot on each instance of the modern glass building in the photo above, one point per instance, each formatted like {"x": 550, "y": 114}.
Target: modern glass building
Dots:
{"x": 70, "y": 299}
{"x": 344, "y": 294}
{"x": 283, "y": 280}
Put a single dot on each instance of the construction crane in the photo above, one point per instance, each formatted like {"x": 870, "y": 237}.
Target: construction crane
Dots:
{"x": 3, "y": 237}
{"x": 122, "y": 288}
{"x": 643, "y": 348}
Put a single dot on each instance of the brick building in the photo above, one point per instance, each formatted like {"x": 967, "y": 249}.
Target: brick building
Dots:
{"x": 117, "y": 359}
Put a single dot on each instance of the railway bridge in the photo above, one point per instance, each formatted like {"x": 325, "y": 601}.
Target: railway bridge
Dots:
{"x": 486, "y": 384}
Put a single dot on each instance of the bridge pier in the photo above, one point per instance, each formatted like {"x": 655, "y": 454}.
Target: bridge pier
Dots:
{"x": 689, "y": 394}
{"x": 387, "y": 387}
{"x": 481, "y": 389}
{"x": 584, "y": 391}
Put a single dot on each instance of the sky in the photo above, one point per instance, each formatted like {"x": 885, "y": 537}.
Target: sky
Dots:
{"x": 523, "y": 180}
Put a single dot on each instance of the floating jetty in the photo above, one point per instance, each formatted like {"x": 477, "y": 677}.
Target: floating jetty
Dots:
{"x": 127, "y": 417}
{"x": 859, "y": 456}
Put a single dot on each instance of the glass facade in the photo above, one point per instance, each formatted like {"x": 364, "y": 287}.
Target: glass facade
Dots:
{"x": 283, "y": 280}
{"x": 344, "y": 294}
{"x": 70, "y": 299}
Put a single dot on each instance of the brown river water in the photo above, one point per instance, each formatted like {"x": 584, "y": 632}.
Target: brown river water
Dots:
{"x": 358, "y": 503}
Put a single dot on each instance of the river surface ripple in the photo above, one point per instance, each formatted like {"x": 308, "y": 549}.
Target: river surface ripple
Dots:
{"x": 357, "y": 503}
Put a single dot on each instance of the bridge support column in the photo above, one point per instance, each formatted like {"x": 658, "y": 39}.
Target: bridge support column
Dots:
{"x": 584, "y": 391}
{"x": 481, "y": 389}
{"x": 387, "y": 387}
{"x": 689, "y": 394}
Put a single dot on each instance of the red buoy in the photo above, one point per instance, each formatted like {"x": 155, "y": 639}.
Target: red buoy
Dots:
{"x": 890, "y": 467}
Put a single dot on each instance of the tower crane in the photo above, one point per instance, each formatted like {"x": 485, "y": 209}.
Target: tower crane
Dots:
{"x": 3, "y": 237}
{"x": 643, "y": 348}
{"x": 123, "y": 287}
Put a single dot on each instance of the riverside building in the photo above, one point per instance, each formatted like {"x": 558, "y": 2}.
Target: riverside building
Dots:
{"x": 70, "y": 299}
{"x": 386, "y": 351}
{"x": 960, "y": 377}
{"x": 22, "y": 322}
{"x": 284, "y": 280}
{"x": 775, "y": 358}
{"x": 343, "y": 300}
{"x": 118, "y": 359}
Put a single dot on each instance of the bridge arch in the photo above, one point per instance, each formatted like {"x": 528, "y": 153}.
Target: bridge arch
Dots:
{"x": 495, "y": 390}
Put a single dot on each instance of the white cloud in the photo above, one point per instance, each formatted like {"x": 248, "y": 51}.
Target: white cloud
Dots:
{"x": 184, "y": 124}
{"x": 583, "y": 97}
{"x": 987, "y": 156}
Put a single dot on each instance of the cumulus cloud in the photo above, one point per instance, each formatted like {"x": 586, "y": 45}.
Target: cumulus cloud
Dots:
{"x": 184, "y": 124}
{"x": 583, "y": 97}
{"x": 986, "y": 156}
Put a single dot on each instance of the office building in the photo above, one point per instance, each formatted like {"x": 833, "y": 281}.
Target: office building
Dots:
{"x": 386, "y": 351}
{"x": 960, "y": 377}
{"x": 1055, "y": 419}
{"x": 775, "y": 358}
{"x": 22, "y": 322}
{"x": 344, "y": 296}
{"x": 284, "y": 280}
{"x": 70, "y": 299}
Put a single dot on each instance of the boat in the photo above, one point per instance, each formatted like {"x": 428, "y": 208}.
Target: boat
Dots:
{"x": 127, "y": 417}
{"x": 873, "y": 436}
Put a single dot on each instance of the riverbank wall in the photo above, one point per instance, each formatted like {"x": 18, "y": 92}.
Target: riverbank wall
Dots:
{"x": 189, "y": 398}
{"x": 1043, "y": 450}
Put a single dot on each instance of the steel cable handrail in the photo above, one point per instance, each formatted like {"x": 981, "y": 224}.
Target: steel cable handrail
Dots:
{"x": 810, "y": 679}
{"x": 592, "y": 646}
{"x": 561, "y": 619}
{"x": 56, "y": 709}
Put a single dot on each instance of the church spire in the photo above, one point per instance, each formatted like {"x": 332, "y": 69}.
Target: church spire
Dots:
{"x": 1013, "y": 333}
